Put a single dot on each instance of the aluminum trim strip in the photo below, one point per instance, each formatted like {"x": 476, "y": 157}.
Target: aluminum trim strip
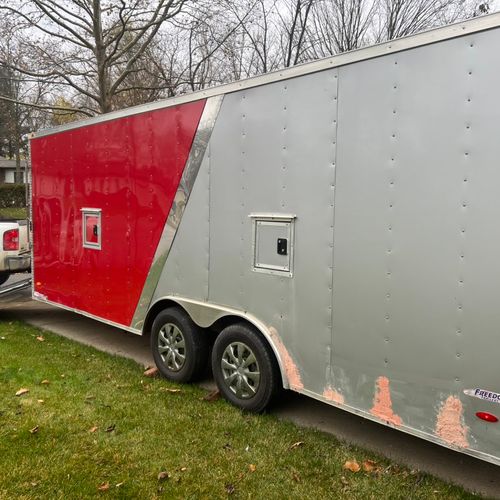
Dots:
{"x": 29, "y": 187}
{"x": 91, "y": 210}
{"x": 196, "y": 155}
{"x": 420, "y": 39}
{"x": 274, "y": 216}
{"x": 88, "y": 315}
{"x": 403, "y": 428}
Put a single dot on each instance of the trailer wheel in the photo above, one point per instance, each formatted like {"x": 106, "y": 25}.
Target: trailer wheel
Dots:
{"x": 180, "y": 347}
{"x": 244, "y": 368}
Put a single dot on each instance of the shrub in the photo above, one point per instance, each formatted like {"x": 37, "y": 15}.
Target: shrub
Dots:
{"x": 12, "y": 195}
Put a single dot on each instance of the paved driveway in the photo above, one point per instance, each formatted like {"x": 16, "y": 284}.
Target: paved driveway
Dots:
{"x": 473, "y": 474}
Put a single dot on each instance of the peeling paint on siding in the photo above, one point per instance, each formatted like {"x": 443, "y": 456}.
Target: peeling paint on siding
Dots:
{"x": 382, "y": 404}
{"x": 450, "y": 426}
{"x": 291, "y": 370}
{"x": 333, "y": 395}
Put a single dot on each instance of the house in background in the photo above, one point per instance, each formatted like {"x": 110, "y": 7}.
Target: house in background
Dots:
{"x": 8, "y": 170}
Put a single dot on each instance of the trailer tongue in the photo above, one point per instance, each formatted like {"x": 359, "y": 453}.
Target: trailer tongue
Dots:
{"x": 15, "y": 287}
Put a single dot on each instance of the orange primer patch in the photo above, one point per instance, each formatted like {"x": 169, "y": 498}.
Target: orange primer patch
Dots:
{"x": 291, "y": 370}
{"x": 382, "y": 404}
{"x": 450, "y": 426}
{"x": 333, "y": 395}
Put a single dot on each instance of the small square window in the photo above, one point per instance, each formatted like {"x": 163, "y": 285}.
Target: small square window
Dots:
{"x": 91, "y": 225}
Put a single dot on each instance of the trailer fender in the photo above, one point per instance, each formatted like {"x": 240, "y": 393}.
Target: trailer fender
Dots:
{"x": 206, "y": 315}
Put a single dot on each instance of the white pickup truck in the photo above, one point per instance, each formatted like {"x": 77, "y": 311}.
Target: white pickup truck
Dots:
{"x": 15, "y": 253}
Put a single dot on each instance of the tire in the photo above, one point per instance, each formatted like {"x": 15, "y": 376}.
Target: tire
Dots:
{"x": 4, "y": 276}
{"x": 244, "y": 368}
{"x": 180, "y": 348}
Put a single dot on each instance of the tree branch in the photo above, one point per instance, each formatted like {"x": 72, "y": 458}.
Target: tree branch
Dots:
{"x": 44, "y": 106}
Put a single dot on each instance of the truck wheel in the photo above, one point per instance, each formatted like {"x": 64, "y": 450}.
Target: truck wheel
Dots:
{"x": 4, "y": 276}
{"x": 244, "y": 368}
{"x": 180, "y": 347}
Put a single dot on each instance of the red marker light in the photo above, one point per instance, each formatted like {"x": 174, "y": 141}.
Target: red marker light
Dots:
{"x": 487, "y": 417}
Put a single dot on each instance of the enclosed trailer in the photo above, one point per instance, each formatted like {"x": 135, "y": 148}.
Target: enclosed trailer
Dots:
{"x": 332, "y": 229}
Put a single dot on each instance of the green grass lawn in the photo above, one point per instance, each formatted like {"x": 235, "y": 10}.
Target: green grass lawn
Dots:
{"x": 13, "y": 213}
{"x": 93, "y": 421}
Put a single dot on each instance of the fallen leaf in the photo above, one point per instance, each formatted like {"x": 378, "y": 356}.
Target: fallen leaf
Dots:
{"x": 41, "y": 401}
{"x": 117, "y": 485}
{"x": 352, "y": 465}
{"x": 151, "y": 372}
{"x": 103, "y": 487}
{"x": 22, "y": 391}
{"x": 369, "y": 466}
{"x": 40, "y": 338}
{"x": 212, "y": 396}
{"x": 45, "y": 382}
{"x": 63, "y": 376}
{"x": 2, "y": 338}
{"x": 162, "y": 476}
{"x": 34, "y": 430}
{"x": 230, "y": 488}
{"x": 172, "y": 391}
{"x": 111, "y": 428}
{"x": 34, "y": 484}
{"x": 252, "y": 468}
{"x": 296, "y": 476}
{"x": 183, "y": 469}
{"x": 297, "y": 445}
{"x": 93, "y": 429}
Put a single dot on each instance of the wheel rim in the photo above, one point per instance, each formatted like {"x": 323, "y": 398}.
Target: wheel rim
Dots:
{"x": 172, "y": 347}
{"x": 240, "y": 370}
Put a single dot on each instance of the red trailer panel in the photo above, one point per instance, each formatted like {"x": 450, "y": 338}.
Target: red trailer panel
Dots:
{"x": 96, "y": 230}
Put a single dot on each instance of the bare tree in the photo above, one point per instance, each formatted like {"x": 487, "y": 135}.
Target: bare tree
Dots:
{"x": 400, "y": 18}
{"x": 92, "y": 47}
{"x": 294, "y": 18}
{"x": 273, "y": 36}
{"x": 256, "y": 48}
{"x": 16, "y": 119}
{"x": 100, "y": 55}
{"x": 168, "y": 62}
{"x": 143, "y": 82}
{"x": 208, "y": 33}
{"x": 340, "y": 26}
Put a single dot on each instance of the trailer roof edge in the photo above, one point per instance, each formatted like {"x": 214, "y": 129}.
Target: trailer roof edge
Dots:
{"x": 448, "y": 32}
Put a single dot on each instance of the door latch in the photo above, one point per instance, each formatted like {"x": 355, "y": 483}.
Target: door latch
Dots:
{"x": 282, "y": 246}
